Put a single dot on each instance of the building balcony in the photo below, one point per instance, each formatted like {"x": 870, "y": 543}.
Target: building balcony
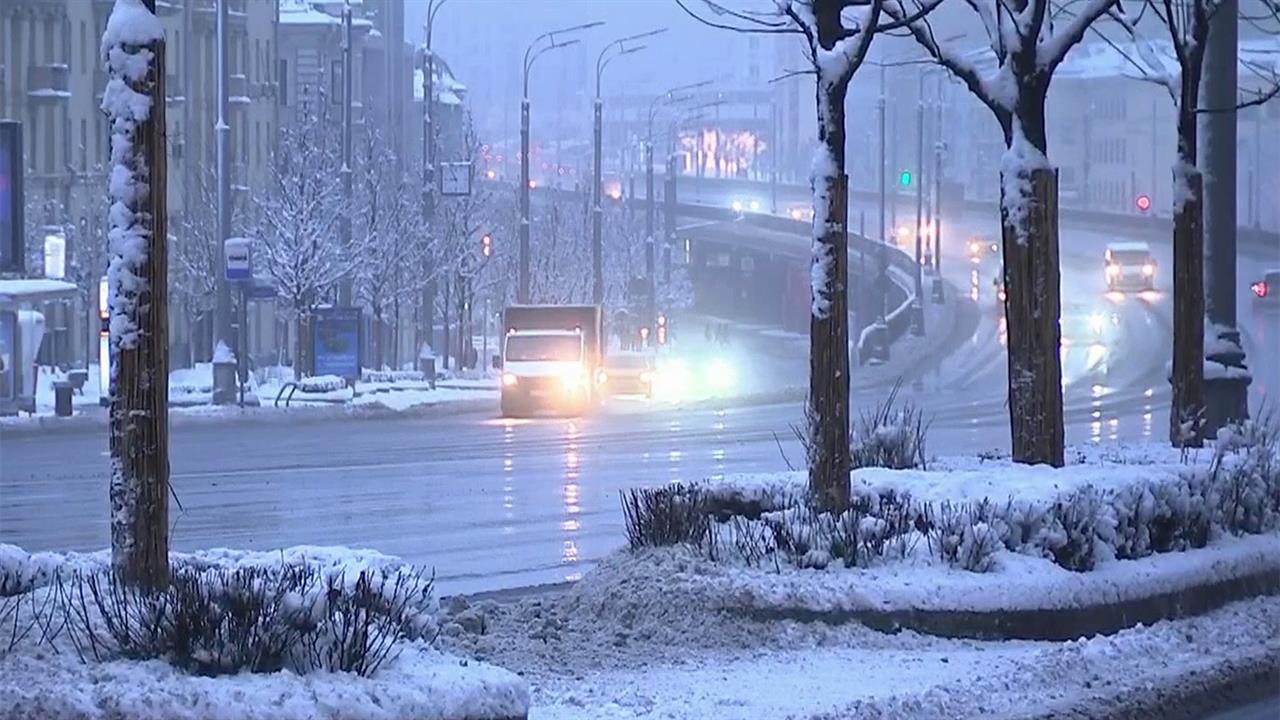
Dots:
{"x": 48, "y": 82}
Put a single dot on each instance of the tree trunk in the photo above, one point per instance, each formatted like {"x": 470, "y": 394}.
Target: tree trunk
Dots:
{"x": 1032, "y": 308}
{"x": 139, "y": 441}
{"x": 444, "y": 318}
{"x": 379, "y": 331}
{"x": 828, "y": 406}
{"x": 1186, "y": 407}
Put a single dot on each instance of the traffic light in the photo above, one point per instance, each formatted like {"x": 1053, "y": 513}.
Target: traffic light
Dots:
{"x": 662, "y": 329}
{"x": 904, "y": 179}
{"x": 1143, "y": 202}
{"x": 486, "y": 245}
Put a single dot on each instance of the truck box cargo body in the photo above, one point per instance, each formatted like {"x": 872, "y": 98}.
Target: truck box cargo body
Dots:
{"x": 553, "y": 357}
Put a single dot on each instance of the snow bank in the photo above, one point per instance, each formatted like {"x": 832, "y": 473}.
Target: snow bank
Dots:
{"x": 420, "y": 683}
{"x": 45, "y": 676}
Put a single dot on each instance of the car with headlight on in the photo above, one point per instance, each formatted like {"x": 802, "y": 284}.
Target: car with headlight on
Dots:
{"x": 629, "y": 373}
{"x": 1080, "y": 328}
{"x": 981, "y": 248}
{"x": 745, "y": 204}
{"x": 681, "y": 378}
{"x": 1266, "y": 291}
{"x": 1130, "y": 266}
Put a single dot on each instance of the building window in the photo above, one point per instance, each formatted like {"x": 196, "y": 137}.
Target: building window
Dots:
{"x": 282, "y": 73}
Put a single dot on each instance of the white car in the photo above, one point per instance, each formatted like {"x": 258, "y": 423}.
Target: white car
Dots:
{"x": 1130, "y": 266}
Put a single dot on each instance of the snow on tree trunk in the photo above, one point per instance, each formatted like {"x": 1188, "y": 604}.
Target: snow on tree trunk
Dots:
{"x": 1029, "y": 221}
{"x": 1186, "y": 406}
{"x": 133, "y": 56}
{"x": 828, "y": 406}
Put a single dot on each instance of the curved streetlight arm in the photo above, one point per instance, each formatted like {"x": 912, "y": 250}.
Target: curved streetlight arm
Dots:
{"x": 620, "y": 44}
{"x": 550, "y": 34}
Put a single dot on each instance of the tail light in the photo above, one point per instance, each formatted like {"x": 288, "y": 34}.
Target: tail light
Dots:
{"x": 1260, "y": 288}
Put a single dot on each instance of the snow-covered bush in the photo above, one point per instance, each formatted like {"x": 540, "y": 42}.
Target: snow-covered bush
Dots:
{"x": 1246, "y": 474}
{"x": 658, "y": 517}
{"x": 218, "y": 621}
{"x": 890, "y": 436}
{"x": 1071, "y": 535}
{"x": 965, "y": 535}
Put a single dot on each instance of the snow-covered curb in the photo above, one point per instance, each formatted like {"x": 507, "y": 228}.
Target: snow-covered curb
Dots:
{"x": 1027, "y": 598}
{"x": 420, "y": 684}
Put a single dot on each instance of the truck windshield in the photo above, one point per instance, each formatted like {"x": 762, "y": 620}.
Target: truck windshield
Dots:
{"x": 532, "y": 348}
{"x": 1130, "y": 257}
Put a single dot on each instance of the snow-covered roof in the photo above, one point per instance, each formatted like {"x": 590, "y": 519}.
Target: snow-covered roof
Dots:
{"x": 311, "y": 12}
{"x": 35, "y": 290}
{"x": 447, "y": 88}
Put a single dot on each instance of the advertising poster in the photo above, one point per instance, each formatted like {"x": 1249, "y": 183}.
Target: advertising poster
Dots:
{"x": 11, "y": 242}
{"x": 8, "y": 354}
{"x": 337, "y": 342}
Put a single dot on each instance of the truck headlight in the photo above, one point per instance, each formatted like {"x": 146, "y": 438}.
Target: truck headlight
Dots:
{"x": 1113, "y": 270}
{"x": 1149, "y": 269}
{"x": 508, "y": 380}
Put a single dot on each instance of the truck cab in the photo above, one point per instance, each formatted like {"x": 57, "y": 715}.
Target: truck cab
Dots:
{"x": 1130, "y": 266}
{"x": 551, "y": 359}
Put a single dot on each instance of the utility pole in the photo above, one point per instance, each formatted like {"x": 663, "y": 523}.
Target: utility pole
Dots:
{"x": 881, "y": 237}
{"x": 137, "y": 299}
{"x": 344, "y": 285}
{"x": 1227, "y": 382}
{"x": 917, "y": 326}
{"x": 224, "y": 392}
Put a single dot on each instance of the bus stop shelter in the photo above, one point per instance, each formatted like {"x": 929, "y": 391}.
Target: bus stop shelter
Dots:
{"x": 21, "y": 332}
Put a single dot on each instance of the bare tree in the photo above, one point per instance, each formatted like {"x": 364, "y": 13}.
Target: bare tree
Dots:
{"x": 298, "y": 215}
{"x": 1029, "y": 40}
{"x": 134, "y": 101}
{"x": 837, "y": 35}
{"x": 1180, "y": 71}
{"x": 389, "y": 222}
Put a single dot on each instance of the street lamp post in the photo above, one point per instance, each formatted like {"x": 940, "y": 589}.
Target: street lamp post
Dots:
{"x": 917, "y": 327}
{"x": 427, "y": 311}
{"x": 650, "y": 261}
{"x": 344, "y": 286}
{"x": 535, "y": 50}
{"x": 615, "y": 49}
{"x": 223, "y": 393}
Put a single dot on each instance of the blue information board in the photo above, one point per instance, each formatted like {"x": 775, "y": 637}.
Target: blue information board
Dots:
{"x": 8, "y": 354}
{"x": 336, "y": 342}
{"x": 11, "y": 241}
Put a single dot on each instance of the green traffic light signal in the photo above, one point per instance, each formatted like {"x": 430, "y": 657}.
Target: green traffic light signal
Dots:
{"x": 905, "y": 178}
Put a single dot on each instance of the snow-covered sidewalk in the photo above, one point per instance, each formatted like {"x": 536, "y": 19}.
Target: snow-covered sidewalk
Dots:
{"x": 614, "y": 647}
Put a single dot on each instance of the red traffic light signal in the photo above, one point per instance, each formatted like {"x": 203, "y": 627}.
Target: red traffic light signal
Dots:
{"x": 1144, "y": 202}
{"x": 486, "y": 245}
